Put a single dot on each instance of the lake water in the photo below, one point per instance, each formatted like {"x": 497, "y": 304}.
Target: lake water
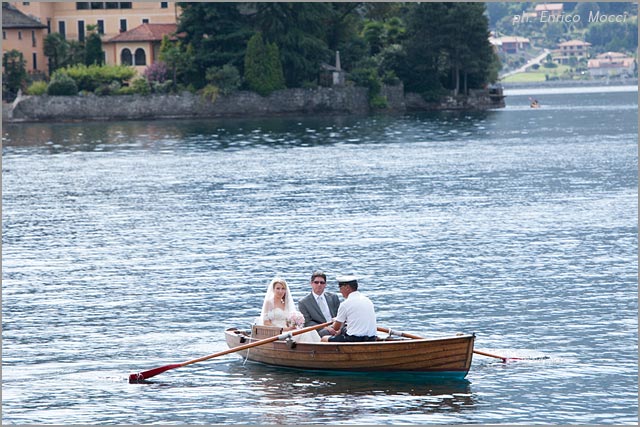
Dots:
{"x": 130, "y": 245}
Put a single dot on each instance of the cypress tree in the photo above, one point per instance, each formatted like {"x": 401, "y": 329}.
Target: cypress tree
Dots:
{"x": 262, "y": 67}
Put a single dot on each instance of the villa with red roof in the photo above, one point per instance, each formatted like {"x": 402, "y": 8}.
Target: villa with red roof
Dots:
{"x": 138, "y": 47}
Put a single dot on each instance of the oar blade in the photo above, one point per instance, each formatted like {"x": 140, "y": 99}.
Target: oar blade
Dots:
{"x": 141, "y": 376}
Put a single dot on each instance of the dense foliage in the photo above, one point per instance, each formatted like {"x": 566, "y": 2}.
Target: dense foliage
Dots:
{"x": 420, "y": 44}
{"x": 92, "y": 77}
{"x": 62, "y": 52}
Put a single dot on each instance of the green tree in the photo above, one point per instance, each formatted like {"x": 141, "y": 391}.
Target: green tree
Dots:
{"x": 218, "y": 32}
{"x": 374, "y": 34}
{"x": 423, "y": 62}
{"x": 179, "y": 58}
{"x": 14, "y": 77}
{"x": 262, "y": 67}
{"x": 93, "y": 53}
{"x": 299, "y": 30}
{"x": 469, "y": 53}
{"x": 56, "y": 48}
{"x": 439, "y": 56}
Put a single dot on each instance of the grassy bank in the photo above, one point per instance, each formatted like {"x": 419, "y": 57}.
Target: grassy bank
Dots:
{"x": 539, "y": 75}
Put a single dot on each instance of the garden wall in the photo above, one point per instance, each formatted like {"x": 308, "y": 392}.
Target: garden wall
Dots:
{"x": 343, "y": 100}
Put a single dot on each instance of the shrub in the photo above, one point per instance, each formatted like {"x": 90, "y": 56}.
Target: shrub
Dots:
{"x": 125, "y": 90}
{"x": 93, "y": 76}
{"x": 37, "y": 88}
{"x": 156, "y": 72}
{"x": 378, "y": 101}
{"x": 141, "y": 86}
{"x": 210, "y": 92}
{"x": 62, "y": 85}
{"x": 390, "y": 78}
{"x": 108, "y": 89}
{"x": 165, "y": 87}
{"x": 227, "y": 78}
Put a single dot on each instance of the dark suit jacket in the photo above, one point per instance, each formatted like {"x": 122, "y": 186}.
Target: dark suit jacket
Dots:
{"x": 312, "y": 313}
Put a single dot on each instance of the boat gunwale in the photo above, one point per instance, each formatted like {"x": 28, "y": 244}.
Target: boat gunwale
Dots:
{"x": 235, "y": 332}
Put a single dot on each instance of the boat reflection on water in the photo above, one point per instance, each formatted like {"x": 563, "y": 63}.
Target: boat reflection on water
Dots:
{"x": 409, "y": 390}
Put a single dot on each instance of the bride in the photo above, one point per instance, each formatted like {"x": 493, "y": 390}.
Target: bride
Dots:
{"x": 278, "y": 306}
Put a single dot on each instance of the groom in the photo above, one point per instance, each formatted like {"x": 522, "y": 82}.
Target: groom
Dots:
{"x": 319, "y": 306}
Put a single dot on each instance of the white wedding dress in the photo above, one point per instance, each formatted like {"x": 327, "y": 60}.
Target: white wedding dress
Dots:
{"x": 278, "y": 317}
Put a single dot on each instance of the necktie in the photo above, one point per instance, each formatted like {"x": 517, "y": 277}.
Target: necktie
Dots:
{"x": 324, "y": 307}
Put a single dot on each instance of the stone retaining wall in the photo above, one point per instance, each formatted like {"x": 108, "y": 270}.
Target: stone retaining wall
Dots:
{"x": 343, "y": 100}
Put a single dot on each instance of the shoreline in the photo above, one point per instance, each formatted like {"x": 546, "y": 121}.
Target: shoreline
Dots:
{"x": 348, "y": 100}
{"x": 570, "y": 83}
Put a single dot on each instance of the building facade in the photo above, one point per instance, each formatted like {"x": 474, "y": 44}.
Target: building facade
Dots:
{"x": 25, "y": 34}
{"x": 577, "y": 49}
{"x": 72, "y": 19}
{"x": 612, "y": 64}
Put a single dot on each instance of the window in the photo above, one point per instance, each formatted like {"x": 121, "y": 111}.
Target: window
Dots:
{"x": 97, "y": 5}
{"x": 141, "y": 57}
{"x": 62, "y": 29}
{"x": 164, "y": 4}
{"x": 145, "y": 20}
{"x": 26, "y": 3}
{"x": 123, "y": 25}
{"x": 112, "y": 5}
{"x": 4, "y": 35}
{"x": 82, "y": 5}
{"x": 34, "y": 57}
{"x": 125, "y": 5}
{"x": 48, "y": 25}
{"x": 33, "y": 38}
{"x": 125, "y": 57}
{"x": 81, "y": 31}
{"x": 19, "y": 35}
{"x": 100, "y": 26}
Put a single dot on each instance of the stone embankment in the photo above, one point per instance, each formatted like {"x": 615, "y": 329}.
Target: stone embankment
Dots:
{"x": 343, "y": 101}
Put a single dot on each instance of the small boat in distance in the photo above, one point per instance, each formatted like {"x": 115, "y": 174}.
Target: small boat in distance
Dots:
{"x": 448, "y": 357}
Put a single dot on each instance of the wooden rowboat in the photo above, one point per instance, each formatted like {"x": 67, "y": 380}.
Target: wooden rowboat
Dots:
{"x": 448, "y": 357}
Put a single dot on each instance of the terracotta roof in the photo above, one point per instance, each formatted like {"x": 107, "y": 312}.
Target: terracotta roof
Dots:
{"x": 615, "y": 63}
{"x": 146, "y": 33}
{"x": 575, "y": 43}
{"x": 611, "y": 55}
{"x": 13, "y": 18}
{"x": 514, "y": 39}
{"x": 549, "y": 6}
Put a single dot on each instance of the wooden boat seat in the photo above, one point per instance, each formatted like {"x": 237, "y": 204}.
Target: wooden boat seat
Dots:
{"x": 261, "y": 332}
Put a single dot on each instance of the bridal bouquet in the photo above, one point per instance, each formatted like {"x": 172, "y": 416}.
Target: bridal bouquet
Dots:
{"x": 295, "y": 319}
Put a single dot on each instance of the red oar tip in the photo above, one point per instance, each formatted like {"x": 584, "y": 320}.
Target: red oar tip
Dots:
{"x": 141, "y": 376}
{"x": 135, "y": 378}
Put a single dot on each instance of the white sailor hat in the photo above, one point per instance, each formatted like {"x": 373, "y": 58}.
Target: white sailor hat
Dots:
{"x": 348, "y": 280}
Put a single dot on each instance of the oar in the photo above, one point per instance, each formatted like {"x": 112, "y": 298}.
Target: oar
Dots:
{"x": 141, "y": 376}
{"x": 504, "y": 359}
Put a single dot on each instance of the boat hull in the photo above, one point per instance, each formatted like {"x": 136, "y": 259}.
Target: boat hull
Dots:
{"x": 438, "y": 357}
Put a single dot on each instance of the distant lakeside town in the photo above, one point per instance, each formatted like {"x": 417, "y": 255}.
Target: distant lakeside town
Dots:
{"x": 403, "y": 55}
